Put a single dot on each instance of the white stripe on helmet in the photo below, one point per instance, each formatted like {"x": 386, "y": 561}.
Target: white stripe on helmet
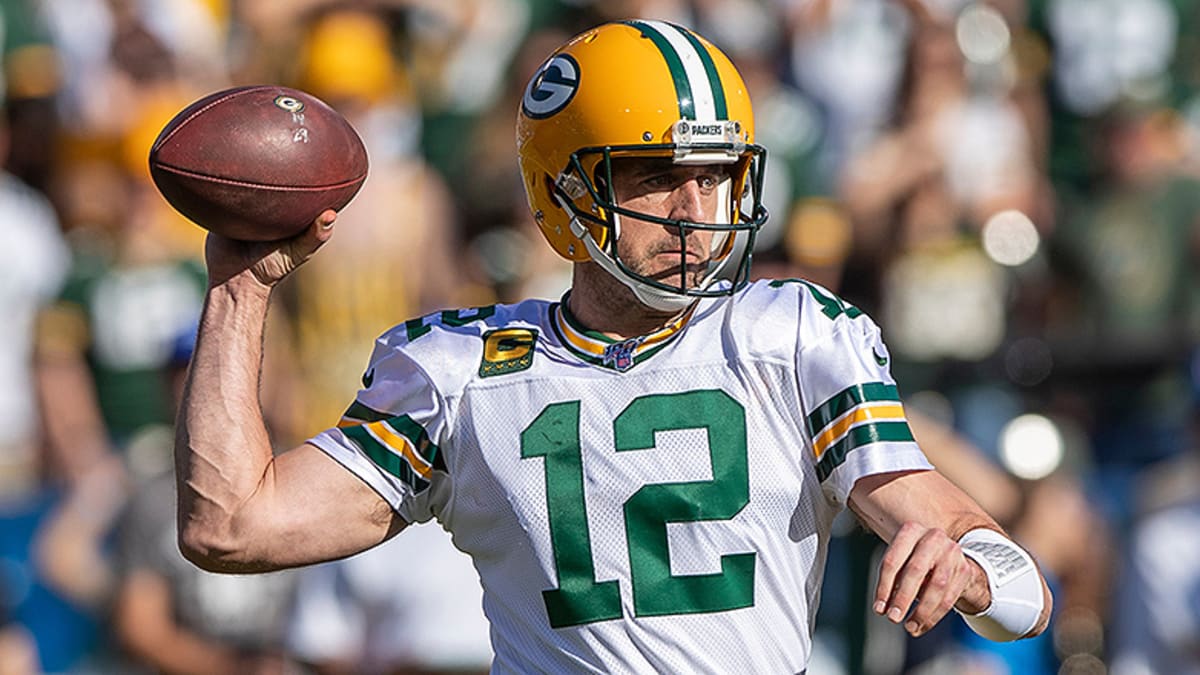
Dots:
{"x": 693, "y": 66}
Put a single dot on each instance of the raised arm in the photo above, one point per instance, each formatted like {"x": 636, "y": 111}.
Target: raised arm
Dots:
{"x": 241, "y": 507}
{"x": 924, "y": 518}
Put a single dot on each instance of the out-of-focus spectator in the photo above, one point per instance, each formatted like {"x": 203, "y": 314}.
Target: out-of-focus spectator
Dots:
{"x": 175, "y": 618}
{"x": 1156, "y": 620}
{"x": 1104, "y": 53}
{"x": 849, "y": 56}
{"x": 170, "y": 616}
{"x": 506, "y": 250}
{"x": 460, "y": 55}
{"x": 955, "y": 169}
{"x": 1127, "y": 300}
{"x": 410, "y": 606}
{"x": 109, "y": 49}
{"x": 33, "y": 263}
{"x": 104, "y": 341}
{"x": 394, "y": 257}
{"x": 102, "y": 347}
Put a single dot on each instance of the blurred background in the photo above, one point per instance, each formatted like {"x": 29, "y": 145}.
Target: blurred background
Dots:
{"x": 1011, "y": 188}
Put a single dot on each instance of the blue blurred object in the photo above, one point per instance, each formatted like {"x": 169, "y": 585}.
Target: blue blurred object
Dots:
{"x": 64, "y": 635}
{"x": 1030, "y": 656}
{"x": 183, "y": 346}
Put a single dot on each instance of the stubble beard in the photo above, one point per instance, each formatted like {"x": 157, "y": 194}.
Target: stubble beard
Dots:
{"x": 611, "y": 296}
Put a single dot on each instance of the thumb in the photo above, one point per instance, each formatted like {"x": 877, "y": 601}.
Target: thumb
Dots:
{"x": 313, "y": 238}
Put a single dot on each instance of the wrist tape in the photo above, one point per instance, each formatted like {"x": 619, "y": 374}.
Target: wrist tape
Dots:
{"x": 1014, "y": 581}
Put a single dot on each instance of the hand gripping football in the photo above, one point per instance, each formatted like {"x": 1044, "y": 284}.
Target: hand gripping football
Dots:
{"x": 258, "y": 163}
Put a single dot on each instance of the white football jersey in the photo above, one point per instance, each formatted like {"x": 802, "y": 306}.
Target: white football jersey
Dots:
{"x": 661, "y": 504}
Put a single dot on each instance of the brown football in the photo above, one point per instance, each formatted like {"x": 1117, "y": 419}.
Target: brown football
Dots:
{"x": 258, "y": 163}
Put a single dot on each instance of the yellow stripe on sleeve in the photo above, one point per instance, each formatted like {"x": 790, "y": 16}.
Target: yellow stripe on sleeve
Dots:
{"x": 863, "y": 413}
{"x": 401, "y": 446}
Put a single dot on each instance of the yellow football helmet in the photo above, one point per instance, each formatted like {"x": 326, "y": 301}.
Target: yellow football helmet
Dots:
{"x": 639, "y": 89}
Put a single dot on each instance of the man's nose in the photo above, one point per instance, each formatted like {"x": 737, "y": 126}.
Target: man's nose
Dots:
{"x": 687, "y": 202}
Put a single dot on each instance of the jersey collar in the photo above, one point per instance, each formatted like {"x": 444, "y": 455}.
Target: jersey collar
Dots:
{"x": 600, "y": 350}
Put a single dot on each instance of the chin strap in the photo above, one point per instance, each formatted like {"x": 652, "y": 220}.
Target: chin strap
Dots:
{"x": 654, "y": 298}
{"x": 657, "y": 298}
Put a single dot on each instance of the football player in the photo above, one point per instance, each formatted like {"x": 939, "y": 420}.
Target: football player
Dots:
{"x": 645, "y": 472}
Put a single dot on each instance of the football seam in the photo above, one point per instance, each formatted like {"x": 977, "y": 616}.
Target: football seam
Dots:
{"x": 249, "y": 184}
{"x": 233, "y": 94}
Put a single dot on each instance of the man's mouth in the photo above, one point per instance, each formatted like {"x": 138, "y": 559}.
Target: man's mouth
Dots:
{"x": 690, "y": 255}
{"x": 693, "y": 266}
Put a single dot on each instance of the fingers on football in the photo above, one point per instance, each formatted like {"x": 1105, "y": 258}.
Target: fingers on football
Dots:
{"x": 322, "y": 228}
{"x": 923, "y": 566}
{"x": 307, "y": 242}
{"x": 325, "y": 219}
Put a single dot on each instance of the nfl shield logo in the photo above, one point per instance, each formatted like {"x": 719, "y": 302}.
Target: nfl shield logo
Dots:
{"x": 619, "y": 355}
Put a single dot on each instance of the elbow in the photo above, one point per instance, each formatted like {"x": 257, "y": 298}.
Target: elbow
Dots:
{"x": 200, "y": 549}
{"x": 211, "y": 549}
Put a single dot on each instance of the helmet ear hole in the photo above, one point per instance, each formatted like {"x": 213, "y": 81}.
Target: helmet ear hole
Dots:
{"x": 549, "y": 183}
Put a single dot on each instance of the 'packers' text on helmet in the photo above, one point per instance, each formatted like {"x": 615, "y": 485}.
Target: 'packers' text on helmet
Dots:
{"x": 639, "y": 89}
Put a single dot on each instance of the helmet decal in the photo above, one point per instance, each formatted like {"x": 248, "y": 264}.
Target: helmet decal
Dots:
{"x": 697, "y": 85}
{"x": 552, "y": 87}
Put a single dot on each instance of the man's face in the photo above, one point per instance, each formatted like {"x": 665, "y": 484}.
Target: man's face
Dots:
{"x": 661, "y": 188}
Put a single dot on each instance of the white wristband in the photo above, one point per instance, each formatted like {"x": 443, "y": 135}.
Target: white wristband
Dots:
{"x": 1014, "y": 581}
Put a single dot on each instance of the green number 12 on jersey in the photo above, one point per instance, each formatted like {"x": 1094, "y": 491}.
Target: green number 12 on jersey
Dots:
{"x": 579, "y": 598}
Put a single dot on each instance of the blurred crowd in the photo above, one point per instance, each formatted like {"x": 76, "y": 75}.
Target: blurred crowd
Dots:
{"x": 1011, "y": 188}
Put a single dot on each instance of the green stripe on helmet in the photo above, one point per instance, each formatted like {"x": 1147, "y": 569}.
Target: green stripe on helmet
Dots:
{"x": 710, "y": 68}
{"x": 683, "y": 88}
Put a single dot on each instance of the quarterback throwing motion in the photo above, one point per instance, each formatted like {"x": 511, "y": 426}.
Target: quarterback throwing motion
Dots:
{"x": 645, "y": 472}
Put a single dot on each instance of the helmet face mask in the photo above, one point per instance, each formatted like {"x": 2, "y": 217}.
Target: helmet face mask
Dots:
{"x": 733, "y": 228}
{"x": 640, "y": 89}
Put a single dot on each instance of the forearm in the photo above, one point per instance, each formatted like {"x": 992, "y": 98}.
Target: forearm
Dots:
{"x": 923, "y": 517}
{"x": 926, "y": 496}
{"x": 222, "y": 450}
{"x": 885, "y": 504}
{"x": 178, "y": 653}
{"x": 243, "y": 508}
{"x": 146, "y": 626}
{"x": 76, "y": 435}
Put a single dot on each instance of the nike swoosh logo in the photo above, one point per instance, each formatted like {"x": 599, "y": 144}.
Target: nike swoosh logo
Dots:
{"x": 881, "y": 360}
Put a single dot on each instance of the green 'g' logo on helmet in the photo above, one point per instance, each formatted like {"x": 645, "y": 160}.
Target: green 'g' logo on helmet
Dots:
{"x": 551, "y": 88}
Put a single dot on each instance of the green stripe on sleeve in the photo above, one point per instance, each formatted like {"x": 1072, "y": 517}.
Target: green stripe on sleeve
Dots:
{"x": 403, "y": 425}
{"x": 360, "y": 412}
{"x": 879, "y": 432}
{"x": 385, "y": 459}
{"x": 848, "y": 398}
{"x": 407, "y": 427}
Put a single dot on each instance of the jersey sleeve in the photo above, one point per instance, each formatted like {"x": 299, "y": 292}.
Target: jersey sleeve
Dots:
{"x": 387, "y": 437}
{"x": 853, "y": 417}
